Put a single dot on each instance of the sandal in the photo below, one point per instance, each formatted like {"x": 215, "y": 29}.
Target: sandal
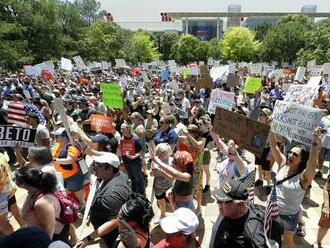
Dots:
{"x": 301, "y": 230}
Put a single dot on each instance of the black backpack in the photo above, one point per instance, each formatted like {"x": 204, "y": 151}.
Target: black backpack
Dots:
{"x": 256, "y": 218}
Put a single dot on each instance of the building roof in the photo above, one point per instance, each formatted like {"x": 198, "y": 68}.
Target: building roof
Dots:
{"x": 180, "y": 15}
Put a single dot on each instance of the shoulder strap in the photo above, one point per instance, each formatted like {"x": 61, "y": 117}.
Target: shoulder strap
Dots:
{"x": 287, "y": 178}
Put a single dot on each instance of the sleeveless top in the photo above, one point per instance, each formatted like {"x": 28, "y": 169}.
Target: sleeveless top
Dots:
{"x": 289, "y": 194}
{"x": 182, "y": 188}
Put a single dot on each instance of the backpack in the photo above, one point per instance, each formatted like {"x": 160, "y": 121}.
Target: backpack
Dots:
{"x": 69, "y": 207}
{"x": 256, "y": 217}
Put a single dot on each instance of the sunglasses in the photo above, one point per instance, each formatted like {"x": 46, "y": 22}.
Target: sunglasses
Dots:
{"x": 293, "y": 153}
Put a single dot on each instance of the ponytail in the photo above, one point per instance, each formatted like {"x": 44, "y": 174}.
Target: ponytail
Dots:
{"x": 34, "y": 177}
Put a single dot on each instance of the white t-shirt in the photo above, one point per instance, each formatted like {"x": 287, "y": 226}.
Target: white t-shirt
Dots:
{"x": 185, "y": 106}
{"x": 50, "y": 169}
{"x": 227, "y": 170}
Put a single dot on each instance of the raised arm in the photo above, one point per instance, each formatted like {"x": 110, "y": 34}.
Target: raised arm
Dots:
{"x": 308, "y": 174}
{"x": 276, "y": 153}
{"x": 172, "y": 172}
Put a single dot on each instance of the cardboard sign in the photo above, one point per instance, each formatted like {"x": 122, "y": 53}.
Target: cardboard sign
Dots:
{"x": 120, "y": 63}
{"x": 11, "y": 136}
{"x": 66, "y": 64}
{"x": 314, "y": 81}
{"x": 127, "y": 146}
{"x": 301, "y": 94}
{"x": 205, "y": 82}
{"x": 232, "y": 80}
{"x": 204, "y": 69}
{"x": 101, "y": 123}
{"x": 295, "y": 122}
{"x": 326, "y": 68}
{"x": 252, "y": 84}
{"x": 111, "y": 94}
{"x": 300, "y": 74}
{"x": 220, "y": 98}
{"x": 246, "y": 132}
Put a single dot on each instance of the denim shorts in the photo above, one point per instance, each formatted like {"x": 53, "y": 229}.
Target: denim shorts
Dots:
{"x": 289, "y": 222}
{"x": 187, "y": 204}
{"x": 74, "y": 183}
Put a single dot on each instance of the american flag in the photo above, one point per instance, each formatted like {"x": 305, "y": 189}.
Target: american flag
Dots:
{"x": 248, "y": 180}
{"x": 30, "y": 108}
{"x": 16, "y": 113}
{"x": 271, "y": 212}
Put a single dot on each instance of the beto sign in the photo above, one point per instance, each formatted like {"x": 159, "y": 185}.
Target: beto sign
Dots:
{"x": 11, "y": 136}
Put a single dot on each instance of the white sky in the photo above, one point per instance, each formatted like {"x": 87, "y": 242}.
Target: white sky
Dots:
{"x": 149, "y": 10}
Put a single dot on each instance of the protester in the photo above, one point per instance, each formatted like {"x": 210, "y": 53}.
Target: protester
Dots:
{"x": 166, "y": 133}
{"x": 180, "y": 227}
{"x": 41, "y": 208}
{"x": 112, "y": 193}
{"x": 232, "y": 228}
{"x": 296, "y": 172}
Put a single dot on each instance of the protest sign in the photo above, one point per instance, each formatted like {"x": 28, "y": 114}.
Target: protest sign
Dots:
{"x": 80, "y": 64}
{"x": 232, "y": 80}
{"x": 59, "y": 106}
{"x": 218, "y": 72}
{"x": 104, "y": 65}
{"x": 300, "y": 74}
{"x": 127, "y": 147}
{"x": 205, "y": 82}
{"x": 220, "y": 98}
{"x": 252, "y": 84}
{"x": 255, "y": 69}
{"x": 203, "y": 69}
{"x": 145, "y": 76}
{"x": 210, "y": 62}
{"x": 232, "y": 67}
{"x": 285, "y": 87}
{"x": 120, "y": 63}
{"x": 185, "y": 72}
{"x": 246, "y": 132}
{"x": 242, "y": 65}
{"x": 194, "y": 70}
{"x": 326, "y": 68}
{"x": 29, "y": 70}
{"x": 201, "y": 63}
{"x": 101, "y": 123}
{"x": 10, "y": 136}
{"x": 295, "y": 122}
{"x": 311, "y": 64}
{"x": 316, "y": 70}
{"x": 164, "y": 75}
{"x": 112, "y": 95}
{"x": 314, "y": 81}
{"x": 66, "y": 64}
{"x": 301, "y": 94}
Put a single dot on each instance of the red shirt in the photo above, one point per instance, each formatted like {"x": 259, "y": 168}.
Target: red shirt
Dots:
{"x": 164, "y": 244}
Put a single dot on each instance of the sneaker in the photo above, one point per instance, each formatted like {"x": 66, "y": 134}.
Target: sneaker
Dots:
{"x": 259, "y": 182}
{"x": 206, "y": 188}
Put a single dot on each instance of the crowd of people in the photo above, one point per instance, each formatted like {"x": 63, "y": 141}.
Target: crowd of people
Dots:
{"x": 165, "y": 133}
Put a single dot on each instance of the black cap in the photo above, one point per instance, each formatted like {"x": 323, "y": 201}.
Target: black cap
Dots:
{"x": 100, "y": 138}
{"x": 26, "y": 237}
{"x": 231, "y": 190}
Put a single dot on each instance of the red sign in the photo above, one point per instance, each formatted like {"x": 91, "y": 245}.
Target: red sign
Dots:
{"x": 101, "y": 123}
{"x": 127, "y": 147}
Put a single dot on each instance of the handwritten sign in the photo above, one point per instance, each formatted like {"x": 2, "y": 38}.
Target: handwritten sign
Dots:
{"x": 295, "y": 122}
{"x": 220, "y": 98}
{"x": 314, "y": 81}
{"x": 66, "y": 64}
{"x": 232, "y": 80}
{"x": 301, "y": 94}
{"x": 252, "y": 84}
{"x": 127, "y": 147}
{"x": 205, "y": 82}
{"x": 101, "y": 123}
{"x": 246, "y": 132}
{"x": 300, "y": 74}
{"x": 112, "y": 95}
{"x": 11, "y": 136}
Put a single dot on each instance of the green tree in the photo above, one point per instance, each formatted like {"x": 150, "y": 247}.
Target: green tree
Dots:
{"x": 102, "y": 41}
{"x": 239, "y": 44}
{"x": 184, "y": 50}
{"x": 215, "y": 51}
{"x": 90, "y": 10}
{"x": 144, "y": 47}
{"x": 317, "y": 45}
{"x": 283, "y": 41}
{"x": 203, "y": 51}
{"x": 297, "y": 19}
{"x": 261, "y": 30}
{"x": 166, "y": 42}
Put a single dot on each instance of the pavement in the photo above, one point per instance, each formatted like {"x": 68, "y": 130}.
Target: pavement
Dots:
{"x": 311, "y": 208}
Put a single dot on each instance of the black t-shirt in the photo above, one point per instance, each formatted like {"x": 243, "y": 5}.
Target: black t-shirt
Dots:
{"x": 231, "y": 234}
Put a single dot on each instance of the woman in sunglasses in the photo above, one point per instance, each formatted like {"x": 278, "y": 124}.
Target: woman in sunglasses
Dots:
{"x": 295, "y": 174}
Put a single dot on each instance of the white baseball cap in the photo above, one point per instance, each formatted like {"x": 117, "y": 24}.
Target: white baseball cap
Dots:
{"x": 107, "y": 158}
{"x": 181, "y": 220}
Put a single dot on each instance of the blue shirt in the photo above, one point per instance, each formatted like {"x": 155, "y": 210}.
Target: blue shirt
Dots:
{"x": 169, "y": 137}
